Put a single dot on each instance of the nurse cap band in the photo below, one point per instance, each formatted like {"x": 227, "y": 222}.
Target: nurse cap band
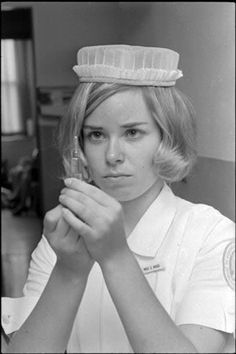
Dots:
{"x": 130, "y": 65}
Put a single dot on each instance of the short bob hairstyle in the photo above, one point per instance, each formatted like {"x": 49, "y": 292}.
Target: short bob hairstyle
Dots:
{"x": 170, "y": 108}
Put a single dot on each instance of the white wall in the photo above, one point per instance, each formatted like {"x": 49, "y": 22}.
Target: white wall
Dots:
{"x": 61, "y": 29}
{"x": 203, "y": 35}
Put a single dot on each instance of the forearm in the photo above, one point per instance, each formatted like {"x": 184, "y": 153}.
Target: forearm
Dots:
{"x": 147, "y": 324}
{"x": 49, "y": 326}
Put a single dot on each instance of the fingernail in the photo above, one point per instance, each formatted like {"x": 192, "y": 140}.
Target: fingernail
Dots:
{"x": 61, "y": 197}
{"x": 68, "y": 182}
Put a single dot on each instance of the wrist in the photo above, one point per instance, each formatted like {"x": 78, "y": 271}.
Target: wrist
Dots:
{"x": 68, "y": 276}
{"x": 116, "y": 261}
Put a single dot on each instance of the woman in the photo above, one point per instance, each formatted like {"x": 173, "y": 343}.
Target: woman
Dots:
{"x": 124, "y": 265}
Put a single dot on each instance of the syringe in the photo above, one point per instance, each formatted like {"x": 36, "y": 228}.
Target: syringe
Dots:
{"x": 76, "y": 168}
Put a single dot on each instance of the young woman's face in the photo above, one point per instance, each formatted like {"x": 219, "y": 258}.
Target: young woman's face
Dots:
{"x": 120, "y": 141}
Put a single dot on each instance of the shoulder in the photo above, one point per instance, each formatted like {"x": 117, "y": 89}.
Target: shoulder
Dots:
{"x": 202, "y": 217}
{"x": 204, "y": 230}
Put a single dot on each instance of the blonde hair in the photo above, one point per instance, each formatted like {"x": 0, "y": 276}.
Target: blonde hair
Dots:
{"x": 170, "y": 108}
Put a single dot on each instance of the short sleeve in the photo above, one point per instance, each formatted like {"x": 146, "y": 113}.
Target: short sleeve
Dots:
{"x": 209, "y": 299}
{"x": 16, "y": 310}
{"x": 42, "y": 262}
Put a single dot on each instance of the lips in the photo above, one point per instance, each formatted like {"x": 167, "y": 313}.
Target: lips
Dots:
{"x": 116, "y": 175}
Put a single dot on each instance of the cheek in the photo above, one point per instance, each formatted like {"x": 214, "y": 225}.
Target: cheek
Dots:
{"x": 141, "y": 158}
{"x": 88, "y": 151}
{"x": 93, "y": 157}
{"x": 146, "y": 158}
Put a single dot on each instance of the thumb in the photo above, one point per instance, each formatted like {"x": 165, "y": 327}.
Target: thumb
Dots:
{"x": 51, "y": 219}
{"x": 62, "y": 226}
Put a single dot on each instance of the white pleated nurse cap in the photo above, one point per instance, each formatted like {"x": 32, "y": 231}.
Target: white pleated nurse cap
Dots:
{"x": 131, "y": 65}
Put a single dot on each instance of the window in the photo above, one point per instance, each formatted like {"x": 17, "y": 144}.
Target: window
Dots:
{"x": 16, "y": 83}
{"x": 17, "y": 72}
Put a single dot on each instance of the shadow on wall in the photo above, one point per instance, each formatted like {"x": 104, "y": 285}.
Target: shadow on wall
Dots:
{"x": 211, "y": 182}
{"x": 132, "y": 16}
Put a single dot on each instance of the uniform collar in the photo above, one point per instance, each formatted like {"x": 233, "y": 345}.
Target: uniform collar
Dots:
{"x": 151, "y": 229}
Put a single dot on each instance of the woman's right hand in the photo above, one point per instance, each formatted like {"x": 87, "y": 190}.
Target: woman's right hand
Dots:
{"x": 73, "y": 259}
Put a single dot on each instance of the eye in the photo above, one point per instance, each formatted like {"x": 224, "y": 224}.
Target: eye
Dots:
{"x": 95, "y": 135}
{"x": 133, "y": 133}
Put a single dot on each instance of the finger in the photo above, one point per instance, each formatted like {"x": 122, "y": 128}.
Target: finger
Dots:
{"x": 92, "y": 191}
{"x": 81, "y": 198}
{"x": 78, "y": 225}
{"x": 51, "y": 219}
{"x": 71, "y": 234}
{"x": 85, "y": 212}
{"x": 62, "y": 226}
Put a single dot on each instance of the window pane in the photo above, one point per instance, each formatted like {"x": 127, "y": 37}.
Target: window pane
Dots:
{"x": 16, "y": 85}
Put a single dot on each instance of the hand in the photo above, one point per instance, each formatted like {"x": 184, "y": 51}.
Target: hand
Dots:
{"x": 72, "y": 255}
{"x": 97, "y": 217}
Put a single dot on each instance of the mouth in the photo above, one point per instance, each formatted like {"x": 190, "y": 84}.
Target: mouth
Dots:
{"x": 117, "y": 176}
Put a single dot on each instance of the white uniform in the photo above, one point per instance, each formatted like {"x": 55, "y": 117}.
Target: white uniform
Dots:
{"x": 185, "y": 251}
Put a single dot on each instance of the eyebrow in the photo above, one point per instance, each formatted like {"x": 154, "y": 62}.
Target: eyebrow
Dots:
{"x": 127, "y": 125}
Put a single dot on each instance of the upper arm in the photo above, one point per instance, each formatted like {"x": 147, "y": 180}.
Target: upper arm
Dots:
{"x": 206, "y": 312}
{"x": 16, "y": 310}
{"x": 205, "y": 339}
{"x": 42, "y": 262}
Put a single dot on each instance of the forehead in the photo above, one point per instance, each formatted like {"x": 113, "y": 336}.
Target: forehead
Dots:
{"x": 122, "y": 107}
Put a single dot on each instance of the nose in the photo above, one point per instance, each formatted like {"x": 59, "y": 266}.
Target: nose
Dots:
{"x": 114, "y": 153}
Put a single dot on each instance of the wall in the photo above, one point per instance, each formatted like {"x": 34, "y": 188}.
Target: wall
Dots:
{"x": 50, "y": 163}
{"x": 61, "y": 28}
{"x": 203, "y": 34}
{"x": 211, "y": 182}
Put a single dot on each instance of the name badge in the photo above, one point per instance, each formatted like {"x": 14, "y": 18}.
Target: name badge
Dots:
{"x": 153, "y": 268}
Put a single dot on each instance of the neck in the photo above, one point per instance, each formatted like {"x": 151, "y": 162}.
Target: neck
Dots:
{"x": 134, "y": 209}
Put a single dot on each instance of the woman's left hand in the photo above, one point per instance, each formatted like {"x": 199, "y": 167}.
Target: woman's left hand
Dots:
{"x": 97, "y": 217}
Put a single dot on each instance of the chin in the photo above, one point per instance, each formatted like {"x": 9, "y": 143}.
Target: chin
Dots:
{"x": 123, "y": 198}
{"x": 120, "y": 196}
{"x": 124, "y": 194}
